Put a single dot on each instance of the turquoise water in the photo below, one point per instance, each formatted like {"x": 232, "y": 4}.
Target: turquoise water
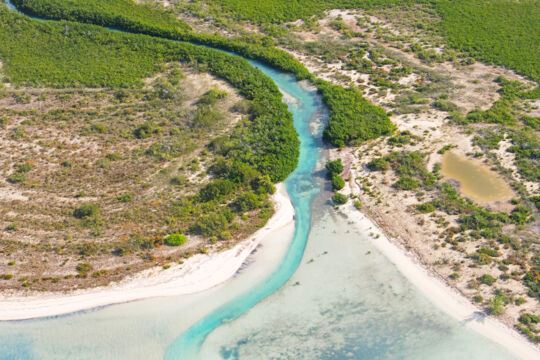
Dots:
{"x": 345, "y": 300}
{"x": 301, "y": 188}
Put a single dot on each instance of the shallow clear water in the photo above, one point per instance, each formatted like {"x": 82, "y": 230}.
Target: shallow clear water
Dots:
{"x": 475, "y": 179}
{"x": 344, "y": 301}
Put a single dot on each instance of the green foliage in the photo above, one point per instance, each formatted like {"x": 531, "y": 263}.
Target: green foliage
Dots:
{"x": 83, "y": 269}
{"x": 497, "y": 31}
{"x": 478, "y": 298}
{"x": 527, "y": 319}
{"x": 357, "y": 205}
{"x": 445, "y": 148}
{"x": 353, "y": 119}
{"x": 406, "y": 183}
{"x": 334, "y": 167}
{"x": 263, "y": 185}
{"x": 67, "y": 54}
{"x": 146, "y": 130}
{"x": 212, "y": 96}
{"x": 520, "y": 215}
{"x": 406, "y": 164}
{"x": 46, "y": 54}
{"x": 526, "y": 147}
{"x": 280, "y": 11}
{"x": 175, "y": 240}
{"x": 123, "y": 14}
{"x": 532, "y": 281}
{"x": 210, "y": 225}
{"x": 487, "y": 279}
{"x": 425, "y": 208}
{"x": 339, "y": 199}
{"x": 206, "y": 116}
{"x": 337, "y": 182}
{"x": 217, "y": 189}
{"x": 496, "y": 305}
{"x": 125, "y": 197}
{"x": 127, "y": 15}
{"x": 533, "y": 122}
{"x": 246, "y": 202}
{"x": 378, "y": 164}
{"x": 403, "y": 138}
{"x": 86, "y": 211}
{"x": 16, "y": 178}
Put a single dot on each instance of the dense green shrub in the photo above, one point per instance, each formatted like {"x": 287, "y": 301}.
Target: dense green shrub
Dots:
{"x": 337, "y": 182}
{"x": 246, "y": 202}
{"x": 497, "y": 31}
{"x": 334, "y": 167}
{"x": 263, "y": 185}
{"x": 127, "y": 197}
{"x": 425, "y": 207}
{"x": 529, "y": 319}
{"x": 353, "y": 119}
{"x": 210, "y": 225}
{"x": 520, "y": 215}
{"x": 526, "y": 147}
{"x": 83, "y": 269}
{"x": 86, "y": 210}
{"x": 212, "y": 96}
{"x": 487, "y": 279}
{"x": 378, "y": 164}
{"x": 496, "y": 305}
{"x": 339, "y": 199}
{"x": 127, "y": 15}
{"x": 16, "y": 178}
{"x": 407, "y": 164}
{"x": 175, "y": 240}
{"x": 146, "y": 130}
{"x": 406, "y": 183}
{"x": 216, "y": 189}
{"x": 532, "y": 281}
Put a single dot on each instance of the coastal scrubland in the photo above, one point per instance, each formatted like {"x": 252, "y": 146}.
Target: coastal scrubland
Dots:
{"x": 94, "y": 145}
{"x": 405, "y": 82}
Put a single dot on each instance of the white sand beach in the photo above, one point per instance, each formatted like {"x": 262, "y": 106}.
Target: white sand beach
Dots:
{"x": 198, "y": 273}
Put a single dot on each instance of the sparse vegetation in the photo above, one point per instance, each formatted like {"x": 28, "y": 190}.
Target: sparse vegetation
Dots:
{"x": 339, "y": 199}
{"x": 175, "y": 240}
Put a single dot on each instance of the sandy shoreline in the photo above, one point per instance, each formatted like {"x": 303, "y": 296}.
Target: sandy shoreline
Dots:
{"x": 441, "y": 294}
{"x": 198, "y": 273}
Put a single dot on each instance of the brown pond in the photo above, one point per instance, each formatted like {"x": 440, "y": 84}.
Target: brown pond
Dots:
{"x": 476, "y": 180}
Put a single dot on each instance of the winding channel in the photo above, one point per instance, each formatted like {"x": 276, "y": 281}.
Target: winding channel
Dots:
{"x": 301, "y": 187}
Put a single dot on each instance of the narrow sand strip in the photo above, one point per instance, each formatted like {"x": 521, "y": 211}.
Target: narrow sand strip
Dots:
{"x": 448, "y": 299}
{"x": 198, "y": 273}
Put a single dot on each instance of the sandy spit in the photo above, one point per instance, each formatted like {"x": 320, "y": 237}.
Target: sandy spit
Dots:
{"x": 198, "y": 273}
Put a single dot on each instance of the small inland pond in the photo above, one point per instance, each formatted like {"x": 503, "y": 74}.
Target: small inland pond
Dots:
{"x": 476, "y": 181}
